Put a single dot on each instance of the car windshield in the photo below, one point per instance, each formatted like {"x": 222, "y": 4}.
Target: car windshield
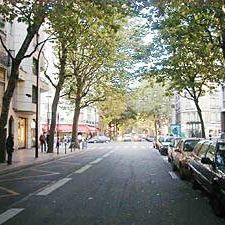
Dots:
{"x": 189, "y": 145}
{"x": 165, "y": 139}
{"x": 220, "y": 156}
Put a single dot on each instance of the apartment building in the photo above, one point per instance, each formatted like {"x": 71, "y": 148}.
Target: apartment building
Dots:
{"x": 187, "y": 117}
{"x": 21, "y": 120}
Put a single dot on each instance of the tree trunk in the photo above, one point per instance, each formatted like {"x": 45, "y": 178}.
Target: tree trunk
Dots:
{"x": 156, "y": 127}
{"x": 56, "y": 98}
{"x": 200, "y": 117}
{"x": 75, "y": 123}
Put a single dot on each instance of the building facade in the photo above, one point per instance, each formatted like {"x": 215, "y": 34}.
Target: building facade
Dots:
{"x": 187, "y": 117}
{"x": 21, "y": 120}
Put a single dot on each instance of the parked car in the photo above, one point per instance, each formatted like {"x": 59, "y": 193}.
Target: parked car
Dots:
{"x": 99, "y": 139}
{"x": 149, "y": 138}
{"x": 127, "y": 137}
{"x": 172, "y": 146}
{"x": 180, "y": 156}
{"x": 163, "y": 144}
{"x": 208, "y": 170}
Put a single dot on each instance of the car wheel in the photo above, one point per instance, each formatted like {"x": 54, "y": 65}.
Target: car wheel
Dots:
{"x": 182, "y": 174}
{"x": 217, "y": 206}
{"x": 195, "y": 184}
{"x": 174, "y": 168}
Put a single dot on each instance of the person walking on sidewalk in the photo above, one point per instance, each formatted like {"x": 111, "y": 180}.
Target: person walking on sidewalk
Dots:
{"x": 9, "y": 148}
{"x": 42, "y": 142}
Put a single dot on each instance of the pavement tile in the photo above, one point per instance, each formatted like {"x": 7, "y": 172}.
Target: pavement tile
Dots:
{"x": 23, "y": 158}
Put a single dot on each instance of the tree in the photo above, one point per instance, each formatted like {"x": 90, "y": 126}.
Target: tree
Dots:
{"x": 33, "y": 14}
{"x": 188, "y": 60}
{"x": 151, "y": 102}
{"x": 89, "y": 65}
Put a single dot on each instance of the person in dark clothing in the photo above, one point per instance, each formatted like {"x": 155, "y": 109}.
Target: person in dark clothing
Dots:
{"x": 9, "y": 148}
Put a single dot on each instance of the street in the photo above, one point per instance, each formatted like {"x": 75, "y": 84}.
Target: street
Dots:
{"x": 126, "y": 183}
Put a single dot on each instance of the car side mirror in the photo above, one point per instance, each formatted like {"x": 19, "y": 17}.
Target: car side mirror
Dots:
{"x": 206, "y": 160}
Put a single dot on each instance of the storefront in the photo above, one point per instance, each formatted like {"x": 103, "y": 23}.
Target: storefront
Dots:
{"x": 22, "y": 132}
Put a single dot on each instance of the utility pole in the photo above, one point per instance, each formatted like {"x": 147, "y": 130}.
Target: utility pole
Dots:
{"x": 37, "y": 102}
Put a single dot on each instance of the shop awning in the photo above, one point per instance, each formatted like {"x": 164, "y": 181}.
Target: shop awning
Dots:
{"x": 67, "y": 128}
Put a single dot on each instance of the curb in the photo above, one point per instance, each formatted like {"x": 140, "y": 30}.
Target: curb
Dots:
{"x": 33, "y": 163}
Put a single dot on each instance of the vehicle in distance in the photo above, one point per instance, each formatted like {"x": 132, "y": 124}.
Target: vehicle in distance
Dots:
{"x": 163, "y": 143}
{"x": 99, "y": 139}
{"x": 172, "y": 146}
{"x": 127, "y": 137}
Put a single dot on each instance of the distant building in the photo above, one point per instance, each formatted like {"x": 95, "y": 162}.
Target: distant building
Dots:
{"x": 187, "y": 118}
{"x": 88, "y": 120}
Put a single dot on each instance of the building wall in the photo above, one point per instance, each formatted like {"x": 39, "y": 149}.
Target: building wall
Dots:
{"x": 22, "y": 111}
{"x": 188, "y": 118}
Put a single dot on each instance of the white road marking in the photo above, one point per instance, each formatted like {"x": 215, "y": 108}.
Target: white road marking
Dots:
{"x": 83, "y": 169}
{"x": 53, "y": 187}
{"x": 10, "y": 213}
{"x": 165, "y": 158}
{"x": 96, "y": 161}
{"x": 107, "y": 154}
{"x": 173, "y": 175}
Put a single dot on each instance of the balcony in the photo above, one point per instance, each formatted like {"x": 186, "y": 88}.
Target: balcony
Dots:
{"x": 25, "y": 108}
{"x": 22, "y": 74}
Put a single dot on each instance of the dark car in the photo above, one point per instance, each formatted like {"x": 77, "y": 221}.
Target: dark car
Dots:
{"x": 180, "y": 156}
{"x": 172, "y": 146}
{"x": 163, "y": 144}
{"x": 208, "y": 170}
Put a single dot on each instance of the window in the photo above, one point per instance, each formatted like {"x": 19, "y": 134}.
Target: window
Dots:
{"x": 203, "y": 149}
{"x": 35, "y": 67}
{"x": 34, "y": 94}
{"x": 189, "y": 145}
{"x": 211, "y": 152}
{"x": 220, "y": 157}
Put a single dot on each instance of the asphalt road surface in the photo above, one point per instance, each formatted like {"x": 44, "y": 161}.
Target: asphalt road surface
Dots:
{"x": 108, "y": 184}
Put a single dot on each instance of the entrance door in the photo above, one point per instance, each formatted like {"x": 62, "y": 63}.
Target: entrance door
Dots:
{"x": 22, "y": 133}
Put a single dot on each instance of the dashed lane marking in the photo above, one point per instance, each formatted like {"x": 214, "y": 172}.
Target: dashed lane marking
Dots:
{"x": 96, "y": 161}
{"x": 173, "y": 175}
{"x": 10, "y": 213}
{"x": 83, "y": 169}
{"x": 53, "y": 187}
{"x": 8, "y": 191}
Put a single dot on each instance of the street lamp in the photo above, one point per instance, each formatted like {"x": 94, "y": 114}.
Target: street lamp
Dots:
{"x": 48, "y": 112}
{"x": 37, "y": 101}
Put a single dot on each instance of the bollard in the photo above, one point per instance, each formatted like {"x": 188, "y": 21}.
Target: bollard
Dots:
{"x": 65, "y": 147}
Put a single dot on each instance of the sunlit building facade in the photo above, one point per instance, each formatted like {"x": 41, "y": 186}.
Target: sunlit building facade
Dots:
{"x": 188, "y": 119}
{"x": 21, "y": 120}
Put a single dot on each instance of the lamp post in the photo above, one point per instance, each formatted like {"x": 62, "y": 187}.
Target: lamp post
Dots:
{"x": 37, "y": 101}
{"x": 48, "y": 112}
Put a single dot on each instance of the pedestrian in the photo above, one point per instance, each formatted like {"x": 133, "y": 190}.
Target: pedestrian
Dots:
{"x": 9, "y": 148}
{"x": 79, "y": 138}
{"x": 42, "y": 142}
{"x": 57, "y": 144}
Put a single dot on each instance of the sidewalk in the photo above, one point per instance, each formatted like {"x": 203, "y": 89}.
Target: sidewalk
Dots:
{"x": 23, "y": 158}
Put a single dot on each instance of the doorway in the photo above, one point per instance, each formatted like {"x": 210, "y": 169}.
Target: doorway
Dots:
{"x": 22, "y": 133}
